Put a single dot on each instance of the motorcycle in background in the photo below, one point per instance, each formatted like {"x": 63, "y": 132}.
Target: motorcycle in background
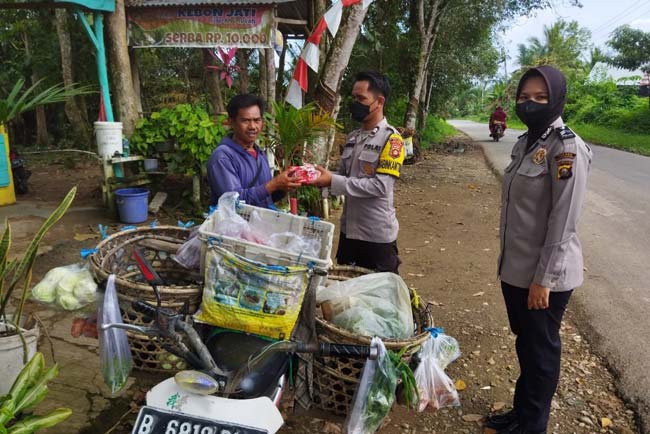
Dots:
{"x": 20, "y": 173}
{"x": 497, "y": 131}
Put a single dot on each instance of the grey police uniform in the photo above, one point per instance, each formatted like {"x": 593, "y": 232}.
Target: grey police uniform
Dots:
{"x": 543, "y": 191}
{"x": 370, "y": 163}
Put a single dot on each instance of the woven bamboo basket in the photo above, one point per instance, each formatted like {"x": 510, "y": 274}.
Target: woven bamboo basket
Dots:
{"x": 337, "y": 378}
{"x": 114, "y": 255}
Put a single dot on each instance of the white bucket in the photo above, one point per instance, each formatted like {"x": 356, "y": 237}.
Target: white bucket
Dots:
{"x": 109, "y": 138}
{"x": 11, "y": 355}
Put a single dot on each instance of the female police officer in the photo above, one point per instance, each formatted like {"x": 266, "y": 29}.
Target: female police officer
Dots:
{"x": 541, "y": 258}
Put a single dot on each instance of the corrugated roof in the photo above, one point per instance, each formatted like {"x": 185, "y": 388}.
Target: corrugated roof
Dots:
{"x": 152, "y": 3}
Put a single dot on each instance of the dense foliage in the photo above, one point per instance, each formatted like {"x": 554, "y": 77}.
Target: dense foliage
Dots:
{"x": 184, "y": 136}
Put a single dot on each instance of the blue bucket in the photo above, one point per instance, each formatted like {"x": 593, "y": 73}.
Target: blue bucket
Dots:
{"x": 132, "y": 204}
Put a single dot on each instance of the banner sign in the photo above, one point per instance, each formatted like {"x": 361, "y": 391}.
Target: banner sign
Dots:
{"x": 202, "y": 26}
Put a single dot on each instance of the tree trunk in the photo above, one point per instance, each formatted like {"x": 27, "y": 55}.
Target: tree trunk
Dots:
{"x": 270, "y": 74}
{"x": 243, "y": 55}
{"x": 327, "y": 91}
{"x": 135, "y": 74}
{"x": 422, "y": 108}
{"x": 78, "y": 119}
{"x": 42, "y": 138}
{"x": 428, "y": 26}
{"x": 264, "y": 82}
{"x": 120, "y": 66}
{"x": 213, "y": 83}
{"x": 279, "y": 83}
{"x": 338, "y": 58}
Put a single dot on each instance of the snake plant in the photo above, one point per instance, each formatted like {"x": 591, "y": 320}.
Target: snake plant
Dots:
{"x": 29, "y": 388}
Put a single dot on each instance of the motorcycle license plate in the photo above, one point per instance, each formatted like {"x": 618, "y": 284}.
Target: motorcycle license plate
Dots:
{"x": 156, "y": 421}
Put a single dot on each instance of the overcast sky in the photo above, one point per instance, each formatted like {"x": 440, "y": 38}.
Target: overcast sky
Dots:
{"x": 601, "y": 17}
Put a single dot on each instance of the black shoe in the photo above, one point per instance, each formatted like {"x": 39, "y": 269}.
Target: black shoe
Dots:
{"x": 517, "y": 429}
{"x": 501, "y": 421}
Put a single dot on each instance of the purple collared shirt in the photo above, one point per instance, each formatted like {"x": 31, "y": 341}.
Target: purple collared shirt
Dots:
{"x": 232, "y": 168}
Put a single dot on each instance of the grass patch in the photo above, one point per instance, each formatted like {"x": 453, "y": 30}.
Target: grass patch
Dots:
{"x": 436, "y": 131}
{"x": 613, "y": 138}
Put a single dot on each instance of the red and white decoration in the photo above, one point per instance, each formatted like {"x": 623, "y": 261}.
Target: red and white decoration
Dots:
{"x": 310, "y": 52}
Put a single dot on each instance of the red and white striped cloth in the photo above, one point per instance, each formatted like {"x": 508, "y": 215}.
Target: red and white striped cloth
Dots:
{"x": 309, "y": 57}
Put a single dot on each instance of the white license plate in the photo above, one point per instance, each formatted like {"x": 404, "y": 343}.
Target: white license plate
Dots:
{"x": 156, "y": 421}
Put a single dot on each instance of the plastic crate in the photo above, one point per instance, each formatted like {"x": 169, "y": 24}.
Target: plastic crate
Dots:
{"x": 275, "y": 222}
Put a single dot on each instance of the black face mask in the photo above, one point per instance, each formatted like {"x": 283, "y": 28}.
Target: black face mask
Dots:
{"x": 532, "y": 113}
{"x": 359, "y": 111}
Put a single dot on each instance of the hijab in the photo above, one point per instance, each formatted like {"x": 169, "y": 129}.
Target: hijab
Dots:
{"x": 538, "y": 117}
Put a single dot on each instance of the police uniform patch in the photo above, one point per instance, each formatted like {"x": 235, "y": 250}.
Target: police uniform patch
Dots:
{"x": 392, "y": 156}
{"x": 368, "y": 169}
{"x": 565, "y": 165}
{"x": 540, "y": 156}
{"x": 396, "y": 145}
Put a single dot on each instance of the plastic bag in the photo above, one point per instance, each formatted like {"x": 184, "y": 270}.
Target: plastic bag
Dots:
{"x": 295, "y": 243}
{"x": 376, "y": 304}
{"x": 375, "y": 394}
{"x": 45, "y": 290}
{"x": 115, "y": 355}
{"x": 436, "y": 389}
{"x": 249, "y": 296}
{"x": 231, "y": 224}
{"x": 70, "y": 287}
{"x": 189, "y": 253}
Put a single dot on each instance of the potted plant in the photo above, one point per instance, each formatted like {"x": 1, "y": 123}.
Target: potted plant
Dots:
{"x": 291, "y": 132}
{"x": 16, "y": 343}
{"x": 29, "y": 389}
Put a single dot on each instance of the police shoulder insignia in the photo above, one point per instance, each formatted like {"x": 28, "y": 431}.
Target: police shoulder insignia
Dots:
{"x": 548, "y": 132}
{"x": 565, "y": 164}
{"x": 565, "y": 132}
{"x": 392, "y": 156}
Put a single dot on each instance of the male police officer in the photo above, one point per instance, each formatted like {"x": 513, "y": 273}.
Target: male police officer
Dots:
{"x": 370, "y": 164}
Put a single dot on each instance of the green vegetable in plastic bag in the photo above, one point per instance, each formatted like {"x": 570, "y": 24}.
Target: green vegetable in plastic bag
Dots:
{"x": 375, "y": 395}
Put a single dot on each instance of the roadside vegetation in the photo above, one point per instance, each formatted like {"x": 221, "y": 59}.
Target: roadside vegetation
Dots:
{"x": 599, "y": 109}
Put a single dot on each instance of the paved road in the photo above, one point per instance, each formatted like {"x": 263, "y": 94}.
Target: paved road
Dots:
{"x": 614, "y": 303}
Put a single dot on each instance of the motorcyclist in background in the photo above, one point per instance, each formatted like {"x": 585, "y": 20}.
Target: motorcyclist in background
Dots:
{"x": 499, "y": 115}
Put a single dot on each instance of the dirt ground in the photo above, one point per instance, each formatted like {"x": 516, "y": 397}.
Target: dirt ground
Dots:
{"x": 448, "y": 207}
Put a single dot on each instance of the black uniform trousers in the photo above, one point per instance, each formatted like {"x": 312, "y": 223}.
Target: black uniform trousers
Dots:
{"x": 374, "y": 256}
{"x": 538, "y": 350}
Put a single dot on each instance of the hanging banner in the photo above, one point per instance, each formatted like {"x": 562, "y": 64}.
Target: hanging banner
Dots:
{"x": 202, "y": 26}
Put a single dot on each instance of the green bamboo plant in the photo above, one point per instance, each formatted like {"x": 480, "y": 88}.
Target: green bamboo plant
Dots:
{"x": 29, "y": 388}
{"x": 19, "y": 271}
{"x": 19, "y": 101}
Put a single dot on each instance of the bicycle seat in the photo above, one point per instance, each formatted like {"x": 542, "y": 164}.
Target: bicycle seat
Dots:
{"x": 232, "y": 350}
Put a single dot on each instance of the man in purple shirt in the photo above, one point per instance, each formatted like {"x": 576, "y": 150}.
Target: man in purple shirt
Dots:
{"x": 238, "y": 164}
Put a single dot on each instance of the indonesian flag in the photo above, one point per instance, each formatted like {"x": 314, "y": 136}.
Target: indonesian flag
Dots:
{"x": 310, "y": 54}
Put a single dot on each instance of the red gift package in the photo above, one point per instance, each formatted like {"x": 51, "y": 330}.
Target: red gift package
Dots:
{"x": 305, "y": 173}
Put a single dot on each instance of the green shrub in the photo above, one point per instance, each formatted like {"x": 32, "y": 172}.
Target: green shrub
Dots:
{"x": 189, "y": 129}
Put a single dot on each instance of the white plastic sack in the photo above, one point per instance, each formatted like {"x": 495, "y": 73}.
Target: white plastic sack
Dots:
{"x": 115, "y": 355}
{"x": 436, "y": 389}
{"x": 231, "y": 224}
{"x": 45, "y": 290}
{"x": 295, "y": 243}
{"x": 375, "y": 394}
{"x": 376, "y": 304}
{"x": 70, "y": 287}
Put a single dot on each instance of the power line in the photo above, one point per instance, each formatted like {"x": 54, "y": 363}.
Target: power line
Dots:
{"x": 607, "y": 22}
{"x": 608, "y": 28}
